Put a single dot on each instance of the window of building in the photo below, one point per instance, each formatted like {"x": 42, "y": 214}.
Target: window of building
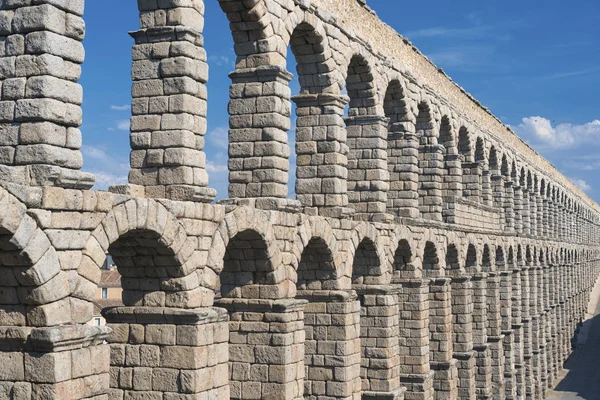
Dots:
{"x": 96, "y": 321}
{"x": 105, "y": 293}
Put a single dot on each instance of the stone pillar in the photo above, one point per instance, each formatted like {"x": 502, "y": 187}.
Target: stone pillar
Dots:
{"x": 158, "y": 352}
{"x": 322, "y": 153}
{"x": 259, "y": 119}
{"x": 518, "y": 332}
{"x": 537, "y": 326}
{"x": 497, "y": 182}
{"x": 520, "y": 209}
{"x": 169, "y": 105}
{"x": 508, "y": 337}
{"x": 431, "y": 167}
{"x": 528, "y": 214}
{"x": 403, "y": 163}
{"x": 545, "y": 221}
{"x": 472, "y": 181}
{"x": 486, "y": 186}
{"x": 553, "y": 338}
{"x": 415, "y": 371}
{"x": 368, "y": 175}
{"x": 445, "y": 378}
{"x": 538, "y": 205}
{"x": 379, "y": 331}
{"x": 453, "y": 188}
{"x": 462, "y": 326}
{"x": 544, "y": 323}
{"x": 332, "y": 345}
{"x": 563, "y": 339}
{"x": 40, "y": 102}
{"x": 58, "y": 363}
{"x": 508, "y": 202}
{"x": 494, "y": 333}
{"x": 526, "y": 313}
{"x": 266, "y": 342}
{"x": 480, "y": 338}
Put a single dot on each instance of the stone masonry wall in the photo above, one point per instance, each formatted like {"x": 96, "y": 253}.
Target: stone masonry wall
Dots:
{"x": 429, "y": 254}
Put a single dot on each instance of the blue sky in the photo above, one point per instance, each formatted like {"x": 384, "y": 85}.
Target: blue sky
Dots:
{"x": 537, "y": 67}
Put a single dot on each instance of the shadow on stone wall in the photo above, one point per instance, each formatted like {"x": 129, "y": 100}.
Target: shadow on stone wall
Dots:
{"x": 583, "y": 376}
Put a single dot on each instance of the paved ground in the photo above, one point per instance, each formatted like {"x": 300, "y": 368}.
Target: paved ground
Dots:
{"x": 581, "y": 378}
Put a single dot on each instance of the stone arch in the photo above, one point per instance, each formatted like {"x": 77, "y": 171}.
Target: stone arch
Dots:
{"x": 318, "y": 263}
{"x": 307, "y": 37}
{"x": 511, "y": 257}
{"x": 487, "y": 264}
{"x": 453, "y": 259}
{"x": 447, "y": 137}
{"x": 431, "y": 260}
{"x": 405, "y": 262}
{"x": 33, "y": 288}
{"x": 494, "y": 162}
{"x": 252, "y": 17}
{"x": 360, "y": 86}
{"x": 370, "y": 265}
{"x": 480, "y": 153}
{"x": 248, "y": 268}
{"x": 465, "y": 147}
{"x": 240, "y": 220}
{"x": 500, "y": 260}
{"x": 471, "y": 259}
{"x": 395, "y": 105}
{"x": 425, "y": 124}
{"x": 153, "y": 254}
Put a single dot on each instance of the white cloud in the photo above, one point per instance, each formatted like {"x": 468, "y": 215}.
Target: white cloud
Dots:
{"x": 582, "y": 184}
{"x": 108, "y": 169}
{"x": 105, "y": 179}
{"x": 94, "y": 152}
{"x": 220, "y": 61}
{"x": 214, "y": 167}
{"x": 218, "y": 137}
{"x": 123, "y": 125}
{"x": 541, "y": 132}
{"x": 124, "y": 107}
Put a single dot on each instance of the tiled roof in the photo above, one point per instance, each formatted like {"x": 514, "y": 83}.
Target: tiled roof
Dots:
{"x": 110, "y": 279}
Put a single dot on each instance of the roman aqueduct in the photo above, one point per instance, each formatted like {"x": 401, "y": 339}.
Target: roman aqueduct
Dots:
{"x": 429, "y": 253}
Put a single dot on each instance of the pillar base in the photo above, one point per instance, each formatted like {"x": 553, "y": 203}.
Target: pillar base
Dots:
{"x": 394, "y": 395}
{"x": 59, "y": 363}
{"x": 161, "y": 352}
{"x": 418, "y": 386}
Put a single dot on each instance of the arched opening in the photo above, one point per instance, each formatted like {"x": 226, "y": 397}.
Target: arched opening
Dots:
{"x": 368, "y": 175}
{"x": 245, "y": 282}
{"x": 494, "y": 163}
{"x": 246, "y": 266}
{"x": 316, "y": 270}
{"x": 366, "y": 268}
{"x": 471, "y": 260}
{"x": 402, "y": 164}
{"x": 464, "y": 145}
{"x": 431, "y": 261}
{"x": 375, "y": 354}
{"x": 143, "y": 260}
{"x": 317, "y": 138}
{"x": 486, "y": 259}
{"x": 403, "y": 267}
{"x": 325, "y": 320}
{"x": 109, "y": 292}
{"x": 452, "y": 258}
{"x": 431, "y": 165}
{"x": 500, "y": 262}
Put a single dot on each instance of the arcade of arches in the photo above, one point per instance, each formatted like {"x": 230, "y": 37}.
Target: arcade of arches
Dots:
{"x": 429, "y": 253}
